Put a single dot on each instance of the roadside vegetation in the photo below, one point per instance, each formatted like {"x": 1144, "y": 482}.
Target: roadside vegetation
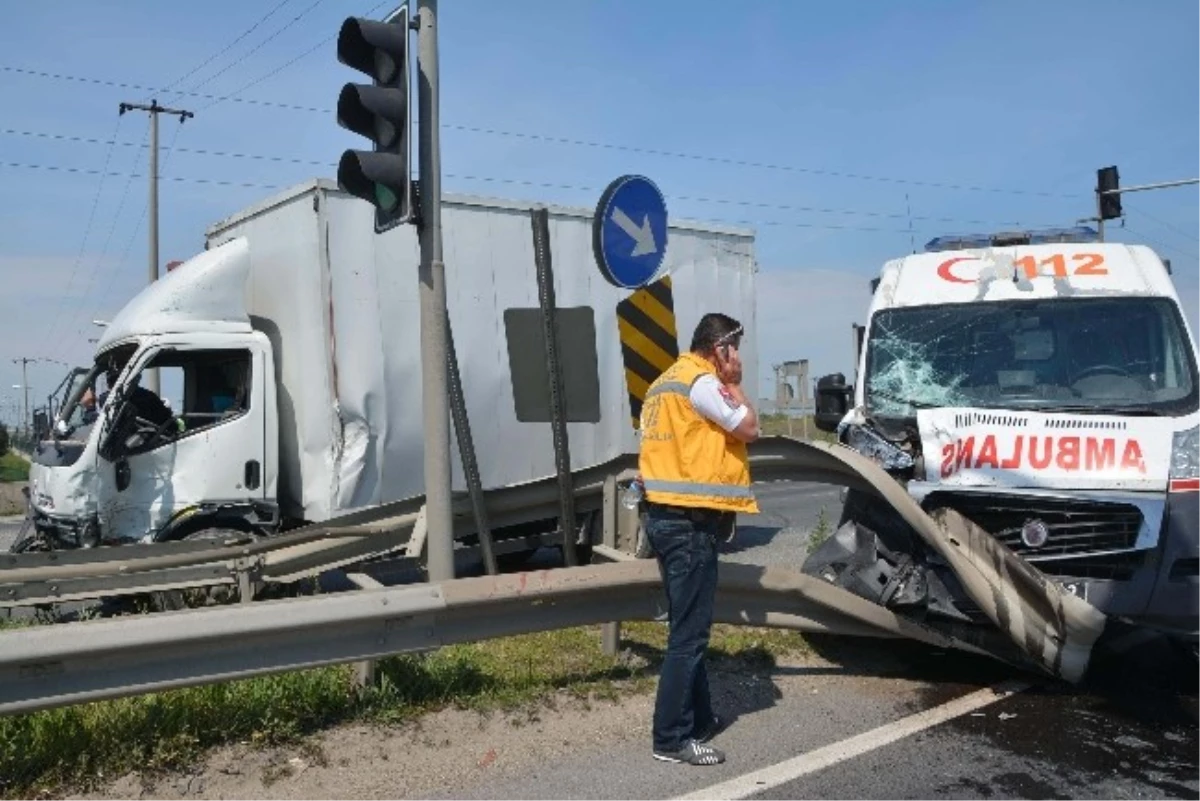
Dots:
{"x": 47, "y": 753}
{"x": 13, "y": 468}
{"x": 820, "y": 531}
{"x": 14, "y": 472}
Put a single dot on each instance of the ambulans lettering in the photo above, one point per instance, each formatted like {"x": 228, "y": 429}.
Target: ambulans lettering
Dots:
{"x": 1058, "y": 266}
{"x": 1037, "y": 453}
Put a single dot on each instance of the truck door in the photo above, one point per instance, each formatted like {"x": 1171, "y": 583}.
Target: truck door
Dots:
{"x": 201, "y": 443}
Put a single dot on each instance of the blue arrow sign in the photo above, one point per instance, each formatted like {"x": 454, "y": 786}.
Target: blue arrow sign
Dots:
{"x": 629, "y": 231}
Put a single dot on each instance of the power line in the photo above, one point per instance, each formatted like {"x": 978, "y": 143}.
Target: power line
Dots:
{"x": 141, "y": 218}
{"x": 745, "y": 163}
{"x": 282, "y": 67}
{"x": 135, "y": 174}
{"x": 546, "y": 137}
{"x": 1163, "y": 245}
{"x": 260, "y": 79}
{"x": 1190, "y": 237}
{"x": 499, "y": 180}
{"x": 227, "y": 47}
{"x": 691, "y": 198}
{"x": 87, "y": 231}
{"x": 104, "y": 252}
{"x": 260, "y": 46}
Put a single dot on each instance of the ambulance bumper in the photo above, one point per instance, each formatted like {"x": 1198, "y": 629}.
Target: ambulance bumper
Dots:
{"x": 1164, "y": 592}
{"x": 1174, "y": 604}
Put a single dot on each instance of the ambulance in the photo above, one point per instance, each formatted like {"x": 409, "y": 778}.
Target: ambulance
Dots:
{"x": 1043, "y": 384}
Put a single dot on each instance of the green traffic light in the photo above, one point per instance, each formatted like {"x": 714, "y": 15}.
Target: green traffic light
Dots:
{"x": 385, "y": 198}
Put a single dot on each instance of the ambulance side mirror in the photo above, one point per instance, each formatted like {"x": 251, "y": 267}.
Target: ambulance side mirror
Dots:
{"x": 832, "y": 401}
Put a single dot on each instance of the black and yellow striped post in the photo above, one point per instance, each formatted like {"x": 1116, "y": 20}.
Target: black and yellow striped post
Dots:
{"x": 649, "y": 341}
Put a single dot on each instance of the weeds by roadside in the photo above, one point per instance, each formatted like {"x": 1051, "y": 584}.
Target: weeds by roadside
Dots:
{"x": 79, "y": 746}
{"x": 13, "y": 468}
{"x": 820, "y": 532}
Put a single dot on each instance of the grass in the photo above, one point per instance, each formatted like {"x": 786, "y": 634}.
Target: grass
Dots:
{"x": 78, "y": 746}
{"x": 820, "y": 532}
{"x": 13, "y": 468}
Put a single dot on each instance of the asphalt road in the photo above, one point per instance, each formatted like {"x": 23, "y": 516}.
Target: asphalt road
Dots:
{"x": 834, "y": 725}
{"x": 1122, "y": 739}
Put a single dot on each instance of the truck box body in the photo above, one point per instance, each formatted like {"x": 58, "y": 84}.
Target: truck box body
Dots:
{"x": 340, "y": 306}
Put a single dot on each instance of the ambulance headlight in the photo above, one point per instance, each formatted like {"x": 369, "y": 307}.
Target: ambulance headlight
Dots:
{"x": 1185, "y": 454}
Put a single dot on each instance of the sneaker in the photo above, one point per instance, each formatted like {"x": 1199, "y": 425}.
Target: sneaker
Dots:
{"x": 693, "y": 753}
{"x": 714, "y": 727}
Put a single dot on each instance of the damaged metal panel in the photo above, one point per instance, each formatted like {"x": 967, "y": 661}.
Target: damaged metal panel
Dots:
{"x": 1055, "y": 629}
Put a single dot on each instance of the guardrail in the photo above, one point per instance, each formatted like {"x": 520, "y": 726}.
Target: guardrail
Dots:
{"x": 48, "y": 666}
{"x": 57, "y": 576}
{"x": 1053, "y": 628}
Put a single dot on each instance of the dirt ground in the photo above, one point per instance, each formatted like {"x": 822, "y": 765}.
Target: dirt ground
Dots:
{"x": 12, "y": 502}
{"x": 433, "y": 755}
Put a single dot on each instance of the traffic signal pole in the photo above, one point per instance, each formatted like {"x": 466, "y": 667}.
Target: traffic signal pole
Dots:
{"x": 438, "y": 519}
{"x": 1109, "y": 191}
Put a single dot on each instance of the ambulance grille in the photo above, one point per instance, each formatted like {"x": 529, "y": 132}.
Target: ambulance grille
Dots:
{"x": 1080, "y": 531}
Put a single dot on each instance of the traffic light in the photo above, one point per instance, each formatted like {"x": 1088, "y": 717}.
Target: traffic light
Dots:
{"x": 1110, "y": 205}
{"x": 382, "y": 113}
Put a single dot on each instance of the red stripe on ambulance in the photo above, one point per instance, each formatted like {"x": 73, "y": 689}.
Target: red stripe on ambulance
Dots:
{"x": 1036, "y": 453}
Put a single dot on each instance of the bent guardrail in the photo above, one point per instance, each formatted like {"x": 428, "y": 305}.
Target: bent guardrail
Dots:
{"x": 48, "y": 666}
{"x": 1053, "y": 628}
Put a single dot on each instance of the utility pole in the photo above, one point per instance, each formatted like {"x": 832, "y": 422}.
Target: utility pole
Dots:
{"x": 154, "y": 110}
{"x": 24, "y": 362}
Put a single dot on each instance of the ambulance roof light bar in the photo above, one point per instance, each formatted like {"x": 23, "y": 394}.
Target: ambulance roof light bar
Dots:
{"x": 1044, "y": 236}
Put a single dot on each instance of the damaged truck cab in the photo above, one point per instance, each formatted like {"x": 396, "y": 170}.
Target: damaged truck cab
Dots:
{"x": 125, "y": 466}
{"x": 1043, "y": 385}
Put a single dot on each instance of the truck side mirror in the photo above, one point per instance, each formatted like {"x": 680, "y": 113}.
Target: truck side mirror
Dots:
{"x": 832, "y": 401}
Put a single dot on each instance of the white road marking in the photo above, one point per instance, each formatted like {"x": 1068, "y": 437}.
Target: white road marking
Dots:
{"x": 774, "y": 775}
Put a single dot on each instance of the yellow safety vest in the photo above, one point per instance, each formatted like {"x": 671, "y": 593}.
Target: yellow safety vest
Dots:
{"x": 686, "y": 459}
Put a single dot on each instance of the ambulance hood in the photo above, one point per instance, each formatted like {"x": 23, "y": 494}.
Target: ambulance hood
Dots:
{"x": 966, "y": 447}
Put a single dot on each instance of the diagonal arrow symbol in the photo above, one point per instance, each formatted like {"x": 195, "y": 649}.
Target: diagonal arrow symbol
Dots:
{"x": 642, "y": 235}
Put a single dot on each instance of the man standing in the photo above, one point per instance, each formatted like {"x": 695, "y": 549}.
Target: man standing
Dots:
{"x": 695, "y": 424}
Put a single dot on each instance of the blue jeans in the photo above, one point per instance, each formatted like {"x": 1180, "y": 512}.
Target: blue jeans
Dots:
{"x": 686, "y": 550}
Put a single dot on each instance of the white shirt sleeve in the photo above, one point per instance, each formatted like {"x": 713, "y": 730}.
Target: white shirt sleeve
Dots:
{"x": 710, "y": 398}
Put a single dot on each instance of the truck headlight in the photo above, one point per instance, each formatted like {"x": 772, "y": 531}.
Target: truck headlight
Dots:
{"x": 1185, "y": 453}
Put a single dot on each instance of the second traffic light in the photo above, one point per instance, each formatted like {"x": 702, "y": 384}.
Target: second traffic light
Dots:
{"x": 382, "y": 113}
{"x": 1107, "y": 180}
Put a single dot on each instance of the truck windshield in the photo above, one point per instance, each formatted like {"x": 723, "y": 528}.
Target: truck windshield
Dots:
{"x": 1127, "y": 355}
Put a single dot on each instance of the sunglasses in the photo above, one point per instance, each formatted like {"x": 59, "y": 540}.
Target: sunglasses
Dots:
{"x": 734, "y": 334}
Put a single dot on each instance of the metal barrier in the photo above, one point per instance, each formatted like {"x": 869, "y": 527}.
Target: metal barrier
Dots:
{"x": 39, "y": 578}
{"x": 1052, "y": 628}
{"x": 49, "y": 666}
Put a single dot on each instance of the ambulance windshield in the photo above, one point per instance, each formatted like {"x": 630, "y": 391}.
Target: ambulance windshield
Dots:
{"x": 1117, "y": 355}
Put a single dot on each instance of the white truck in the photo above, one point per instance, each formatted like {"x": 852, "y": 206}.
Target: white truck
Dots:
{"x": 293, "y": 345}
{"x": 1044, "y": 385}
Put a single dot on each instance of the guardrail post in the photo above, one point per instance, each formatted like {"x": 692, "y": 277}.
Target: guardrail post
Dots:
{"x": 364, "y": 672}
{"x": 610, "y": 633}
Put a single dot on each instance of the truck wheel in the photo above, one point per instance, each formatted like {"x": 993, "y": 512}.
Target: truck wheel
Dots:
{"x": 216, "y": 595}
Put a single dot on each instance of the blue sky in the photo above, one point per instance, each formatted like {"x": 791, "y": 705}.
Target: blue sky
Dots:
{"x": 852, "y": 121}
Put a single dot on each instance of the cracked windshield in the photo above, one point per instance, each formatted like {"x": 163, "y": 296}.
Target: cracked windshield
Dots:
{"x": 1044, "y": 355}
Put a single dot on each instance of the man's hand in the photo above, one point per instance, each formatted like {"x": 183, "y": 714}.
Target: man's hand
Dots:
{"x": 729, "y": 366}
